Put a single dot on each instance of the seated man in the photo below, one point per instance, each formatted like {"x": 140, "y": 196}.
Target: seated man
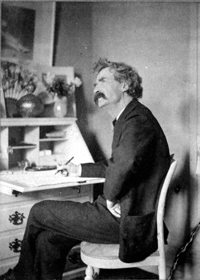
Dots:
{"x": 125, "y": 213}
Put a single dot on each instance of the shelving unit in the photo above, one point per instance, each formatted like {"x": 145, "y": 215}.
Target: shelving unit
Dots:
{"x": 25, "y": 139}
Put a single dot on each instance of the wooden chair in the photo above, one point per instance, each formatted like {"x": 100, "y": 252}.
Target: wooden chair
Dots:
{"x": 105, "y": 256}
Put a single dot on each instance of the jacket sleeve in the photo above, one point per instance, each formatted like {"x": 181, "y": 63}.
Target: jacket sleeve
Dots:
{"x": 131, "y": 156}
{"x": 94, "y": 169}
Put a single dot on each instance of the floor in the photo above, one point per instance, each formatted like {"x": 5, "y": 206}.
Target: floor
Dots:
{"x": 119, "y": 274}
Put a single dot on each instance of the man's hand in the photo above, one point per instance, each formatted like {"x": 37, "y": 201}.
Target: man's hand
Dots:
{"x": 114, "y": 208}
{"x": 70, "y": 169}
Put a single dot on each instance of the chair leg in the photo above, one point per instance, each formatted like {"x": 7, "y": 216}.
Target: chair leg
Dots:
{"x": 162, "y": 272}
{"x": 91, "y": 272}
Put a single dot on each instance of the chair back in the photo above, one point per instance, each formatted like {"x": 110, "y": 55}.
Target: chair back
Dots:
{"x": 161, "y": 207}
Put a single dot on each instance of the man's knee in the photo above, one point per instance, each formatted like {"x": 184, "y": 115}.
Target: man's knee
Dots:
{"x": 38, "y": 209}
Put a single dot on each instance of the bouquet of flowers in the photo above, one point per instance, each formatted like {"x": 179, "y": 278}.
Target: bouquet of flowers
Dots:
{"x": 22, "y": 79}
{"x": 57, "y": 86}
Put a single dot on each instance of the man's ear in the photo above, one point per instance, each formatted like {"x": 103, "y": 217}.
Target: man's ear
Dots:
{"x": 125, "y": 87}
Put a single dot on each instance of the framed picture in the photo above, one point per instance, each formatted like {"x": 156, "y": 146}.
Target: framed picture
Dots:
{"x": 17, "y": 32}
{"x": 27, "y": 30}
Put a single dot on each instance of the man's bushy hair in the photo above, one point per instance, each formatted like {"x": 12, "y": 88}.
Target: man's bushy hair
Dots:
{"x": 122, "y": 73}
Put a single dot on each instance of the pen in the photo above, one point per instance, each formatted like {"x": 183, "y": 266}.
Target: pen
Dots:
{"x": 64, "y": 164}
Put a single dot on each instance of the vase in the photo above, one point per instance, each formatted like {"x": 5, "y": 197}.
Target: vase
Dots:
{"x": 30, "y": 106}
{"x": 60, "y": 107}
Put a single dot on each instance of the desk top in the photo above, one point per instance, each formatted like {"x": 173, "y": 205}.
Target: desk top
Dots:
{"x": 27, "y": 181}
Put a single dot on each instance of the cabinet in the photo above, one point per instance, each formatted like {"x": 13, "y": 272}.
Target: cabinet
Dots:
{"x": 40, "y": 141}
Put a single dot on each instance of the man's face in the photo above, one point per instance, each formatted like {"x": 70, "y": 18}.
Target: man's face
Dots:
{"x": 106, "y": 89}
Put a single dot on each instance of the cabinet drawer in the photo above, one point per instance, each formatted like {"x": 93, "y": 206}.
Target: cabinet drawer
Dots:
{"x": 10, "y": 245}
{"x": 14, "y": 217}
{"x": 20, "y": 198}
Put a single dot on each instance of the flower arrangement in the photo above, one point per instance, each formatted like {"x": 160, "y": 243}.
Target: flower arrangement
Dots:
{"x": 58, "y": 86}
{"x": 22, "y": 79}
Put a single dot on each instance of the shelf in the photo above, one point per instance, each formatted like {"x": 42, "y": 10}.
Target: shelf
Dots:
{"x": 22, "y": 147}
{"x": 8, "y": 122}
{"x": 52, "y": 139}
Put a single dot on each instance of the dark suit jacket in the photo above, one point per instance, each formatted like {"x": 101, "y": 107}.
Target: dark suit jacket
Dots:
{"x": 134, "y": 173}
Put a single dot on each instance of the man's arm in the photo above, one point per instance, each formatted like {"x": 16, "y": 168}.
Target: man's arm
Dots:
{"x": 85, "y": 170}
{"x": 94, "y": 169}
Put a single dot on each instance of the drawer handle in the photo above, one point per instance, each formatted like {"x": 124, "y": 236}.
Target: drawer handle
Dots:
{"x": 15, "y": 246}
{"x": 16, "y": 218}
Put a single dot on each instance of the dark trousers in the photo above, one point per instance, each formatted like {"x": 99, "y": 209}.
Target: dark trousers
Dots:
{"x": 54, "y": 227}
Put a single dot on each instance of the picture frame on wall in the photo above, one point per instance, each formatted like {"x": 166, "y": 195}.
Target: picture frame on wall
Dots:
{"x": 27, "y": 30}
{"x": 17, "y": 32}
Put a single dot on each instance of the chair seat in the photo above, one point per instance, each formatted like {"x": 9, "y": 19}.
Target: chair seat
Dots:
{"x": 99, "y": 255}
{"x": 102, "y": 251}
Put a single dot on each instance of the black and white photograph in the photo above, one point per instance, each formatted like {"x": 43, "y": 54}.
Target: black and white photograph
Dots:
{"x": 100, "y": 140}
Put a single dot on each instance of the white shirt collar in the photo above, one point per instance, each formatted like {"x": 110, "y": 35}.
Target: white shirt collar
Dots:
{"x": 120, "y": 114}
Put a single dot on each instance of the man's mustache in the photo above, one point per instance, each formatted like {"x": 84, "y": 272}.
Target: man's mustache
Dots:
{"x": 98, "y": 95}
